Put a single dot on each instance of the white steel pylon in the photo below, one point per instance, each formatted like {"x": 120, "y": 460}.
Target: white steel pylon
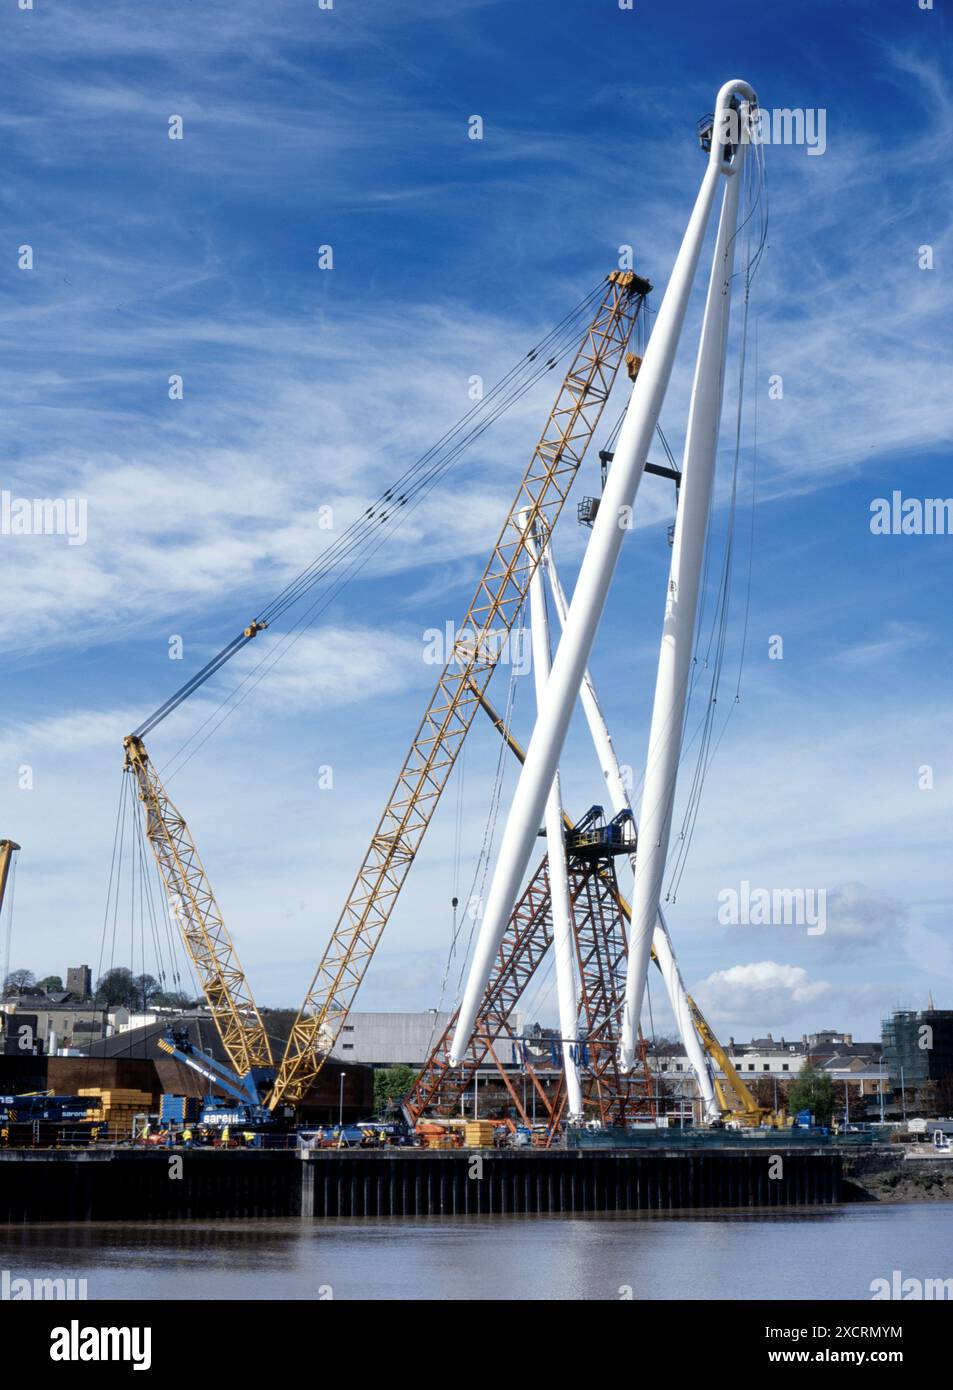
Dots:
{"x": 563, "y": 936}
{"x": 681, "y": 603}
{"x": 589, "y": 597}
{"x": 620, "y": 801}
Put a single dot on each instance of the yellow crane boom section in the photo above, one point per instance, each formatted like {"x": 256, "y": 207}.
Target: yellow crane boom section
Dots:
{"x": 447, "y": 719}
{"x": 193, "y": 906}
{"x": 7, "y": 850}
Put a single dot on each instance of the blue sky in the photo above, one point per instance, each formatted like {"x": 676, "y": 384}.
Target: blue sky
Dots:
{"x": 305, "y": 127}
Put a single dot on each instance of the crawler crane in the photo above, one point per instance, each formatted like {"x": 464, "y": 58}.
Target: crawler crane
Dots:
{"x": 499, "y": 596}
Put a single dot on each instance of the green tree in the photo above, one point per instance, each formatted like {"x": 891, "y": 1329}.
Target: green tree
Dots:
{"x": 147, "y": 988}
{"x": 766, "y": 1090}
{"x": 391, "y": 1084}
{"x": 116, "y": 987}
{"x": 19, "y": 980}
{"x": 812, "y": 1090}
{"x": 119, "y": 987}
{"x": 53, "y": 984}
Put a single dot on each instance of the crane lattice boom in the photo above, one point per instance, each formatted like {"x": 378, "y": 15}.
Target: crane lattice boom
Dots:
{"x": 197, "y": 915}
{"x": 492, "y": 613}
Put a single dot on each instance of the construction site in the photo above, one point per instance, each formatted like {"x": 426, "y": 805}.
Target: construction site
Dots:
{"x": 588, "y": 907}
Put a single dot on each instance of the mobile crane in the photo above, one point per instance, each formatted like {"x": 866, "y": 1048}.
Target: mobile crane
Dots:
{"x": 499, "y": 596}
{"x": 246, "y": 1092}
{"x": 254, "y": 1082}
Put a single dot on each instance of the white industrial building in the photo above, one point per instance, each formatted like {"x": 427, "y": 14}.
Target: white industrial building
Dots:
{"x": 392, "y": 1039}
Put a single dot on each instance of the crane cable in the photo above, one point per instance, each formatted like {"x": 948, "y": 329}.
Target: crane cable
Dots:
{"x": 272, "y": 656}
{"x": 425, "y": 470}
{"x": 394, "y": 493}
{"x": 130, "y": 859}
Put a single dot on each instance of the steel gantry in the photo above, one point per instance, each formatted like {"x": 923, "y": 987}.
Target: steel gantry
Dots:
{"x": 607, "y": 1096}
{"x": 438, "y": 1086}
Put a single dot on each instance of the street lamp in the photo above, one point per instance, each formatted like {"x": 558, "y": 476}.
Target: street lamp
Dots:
{"x": 341, "y": 1102}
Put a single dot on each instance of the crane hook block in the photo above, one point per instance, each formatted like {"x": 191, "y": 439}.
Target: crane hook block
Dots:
{"x": 632, "y": 364}
{"x": 253, "y": 628}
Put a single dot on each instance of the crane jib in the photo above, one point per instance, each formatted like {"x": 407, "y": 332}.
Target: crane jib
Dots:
{"x": 197, "y": 680}
{"x": 539, "y": 499}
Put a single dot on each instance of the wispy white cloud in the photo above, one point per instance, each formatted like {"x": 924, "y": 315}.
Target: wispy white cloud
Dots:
{"x": 897, "y": 639}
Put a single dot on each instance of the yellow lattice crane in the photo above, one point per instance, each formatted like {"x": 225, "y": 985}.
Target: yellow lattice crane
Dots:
{"x": 490, "y": 617}
{"x": 447, "y": 718}
{"x": 196, "y": 913}
{"x": 737, "y": 1103}
{"x": 8, "y": 849}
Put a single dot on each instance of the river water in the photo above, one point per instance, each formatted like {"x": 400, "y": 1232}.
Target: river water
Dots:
{"x": 818, "y": 1254}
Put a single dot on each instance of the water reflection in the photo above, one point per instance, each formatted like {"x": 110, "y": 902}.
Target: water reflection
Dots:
{"x": 698, "y": 1254}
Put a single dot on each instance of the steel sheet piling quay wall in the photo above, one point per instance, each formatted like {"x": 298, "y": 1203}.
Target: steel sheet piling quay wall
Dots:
{"x": 137, "y": 1185}
{"x": 561, "y": 1181}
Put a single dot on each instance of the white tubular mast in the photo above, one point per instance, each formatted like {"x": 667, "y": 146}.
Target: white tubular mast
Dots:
{"x": 619, "y": 800}
{"x": 678, "y": 632}
{"x": 563, "y": 938}
{"x": 592, "y": 587}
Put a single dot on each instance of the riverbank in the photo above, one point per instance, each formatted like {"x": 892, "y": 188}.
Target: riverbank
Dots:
{"x": 885, "y": 1175}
